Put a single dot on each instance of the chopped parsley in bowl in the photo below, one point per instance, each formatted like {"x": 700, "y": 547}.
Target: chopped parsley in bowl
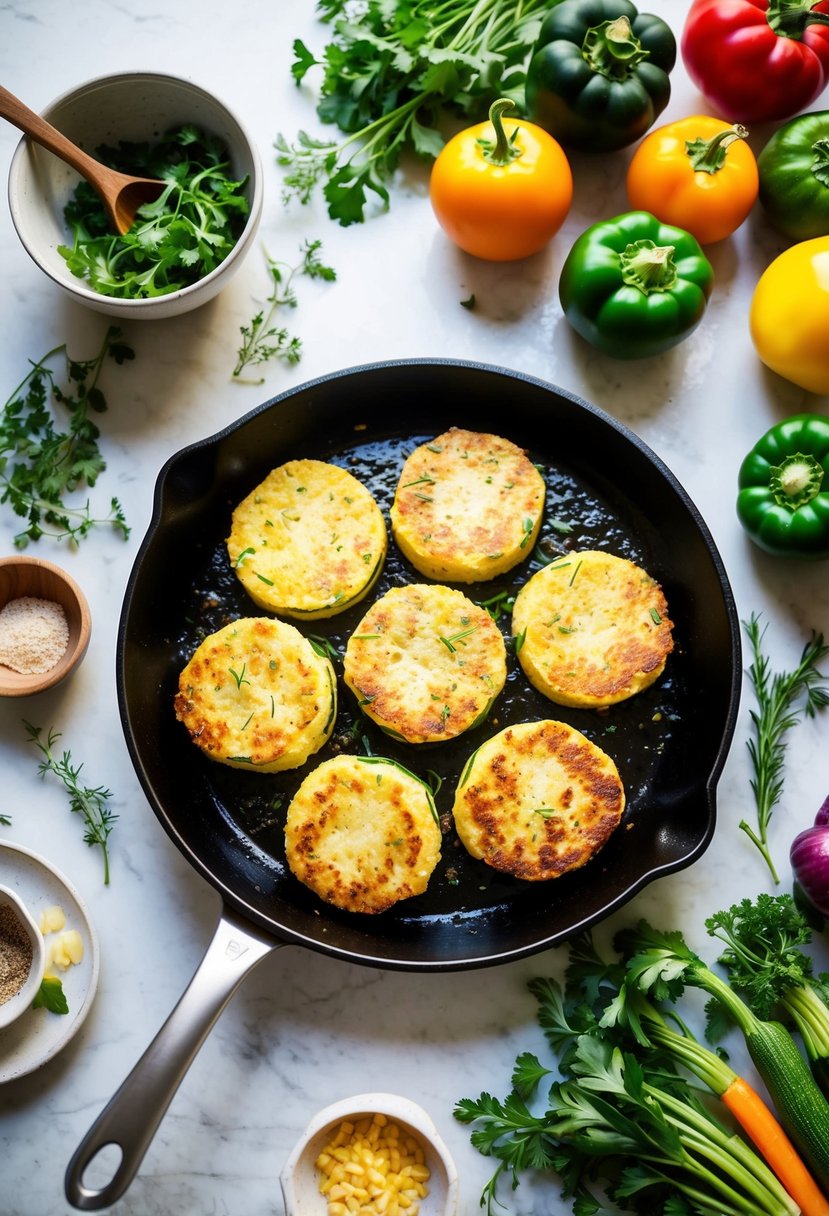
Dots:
{"x": 176, "y": 240}
{"x": 184, "y": 247}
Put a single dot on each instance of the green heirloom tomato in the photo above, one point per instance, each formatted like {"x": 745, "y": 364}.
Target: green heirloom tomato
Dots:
{"x": 783, "y": 497}
{"x": 598, "y": 77}
{"x": 794, "y": 177}
{"x": 634, "y": 287}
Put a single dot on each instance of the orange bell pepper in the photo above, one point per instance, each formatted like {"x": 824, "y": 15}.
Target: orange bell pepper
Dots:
{"x": 501, "y": 189}
{"x": 697, "y": 173}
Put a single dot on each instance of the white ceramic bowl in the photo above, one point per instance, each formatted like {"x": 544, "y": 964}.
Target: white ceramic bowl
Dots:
{"x": 299, "y": 1177}
{"x": 11, "y": 1009}
{"x": 132, "y": 106}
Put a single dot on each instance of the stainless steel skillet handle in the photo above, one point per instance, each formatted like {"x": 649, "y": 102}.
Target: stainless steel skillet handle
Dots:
{"x": 132, "y": 1115}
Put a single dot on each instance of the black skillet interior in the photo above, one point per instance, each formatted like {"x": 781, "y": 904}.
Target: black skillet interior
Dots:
{"x": 605, "y": 489}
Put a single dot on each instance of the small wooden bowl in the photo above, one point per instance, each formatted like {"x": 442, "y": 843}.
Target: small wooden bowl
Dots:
{"x": 32, "y": 576}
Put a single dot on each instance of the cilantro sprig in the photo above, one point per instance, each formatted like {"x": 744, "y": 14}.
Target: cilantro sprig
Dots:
{"x": 262, "y": 338}
{"x": 389, "y": 72}
{"x": 39, "y": 462}
{"x": 178, "y": 238}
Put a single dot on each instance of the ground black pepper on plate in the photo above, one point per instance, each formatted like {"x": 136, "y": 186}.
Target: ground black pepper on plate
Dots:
{"x": 15, "y": 954}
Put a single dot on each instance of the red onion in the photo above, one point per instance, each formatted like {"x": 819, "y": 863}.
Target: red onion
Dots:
{"x": 809, "y": 856}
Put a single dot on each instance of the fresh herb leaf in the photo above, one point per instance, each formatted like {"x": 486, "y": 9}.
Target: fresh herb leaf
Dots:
{"x": 50, "y": 995}
{"x": 41, "y": 464}
{"x": 262, "y": 338}
{"x": 767, "y": 967}
{"x": 781, "y": 699}
{"x": 88, "y": 801}
{"x": 389, "y": 73}
{"x": 178, "y": 238}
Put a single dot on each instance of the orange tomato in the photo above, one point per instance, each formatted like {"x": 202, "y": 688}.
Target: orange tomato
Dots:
{"x": 504, "y": 208}
{"x": 710, "y": 202}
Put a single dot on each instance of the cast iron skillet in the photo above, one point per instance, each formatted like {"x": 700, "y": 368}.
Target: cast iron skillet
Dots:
{"x": 605, "y": 489}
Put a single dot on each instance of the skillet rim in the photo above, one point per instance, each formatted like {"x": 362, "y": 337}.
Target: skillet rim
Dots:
{"x": 284, "y": 933}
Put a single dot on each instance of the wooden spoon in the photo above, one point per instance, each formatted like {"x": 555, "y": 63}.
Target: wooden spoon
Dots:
{"x": 120, "y": 193}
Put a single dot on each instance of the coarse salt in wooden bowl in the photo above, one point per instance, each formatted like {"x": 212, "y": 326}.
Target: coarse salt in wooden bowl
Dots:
{"x": 32, "y": 635}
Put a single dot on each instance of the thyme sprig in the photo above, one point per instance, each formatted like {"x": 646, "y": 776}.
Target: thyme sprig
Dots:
{"x": 262, "y": 338}
{"x": 87, "y": 801}
{"x": 782, "y": 698}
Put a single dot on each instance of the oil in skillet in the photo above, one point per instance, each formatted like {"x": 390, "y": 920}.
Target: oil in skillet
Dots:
{"x": 639, "y": 734}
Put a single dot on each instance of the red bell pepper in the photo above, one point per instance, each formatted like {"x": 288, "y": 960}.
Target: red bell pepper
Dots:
{"x": 757, "y": 60}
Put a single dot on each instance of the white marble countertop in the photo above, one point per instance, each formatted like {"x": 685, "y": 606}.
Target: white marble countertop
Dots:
{"x": 304, "y": 1029}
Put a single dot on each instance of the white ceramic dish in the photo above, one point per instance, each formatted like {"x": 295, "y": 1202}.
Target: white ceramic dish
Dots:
{"x": 38, "y": 1035}
{"x": 17, "y": 1005}
{"x": 299, "y": 1177}
{"x": 132, "y": 106}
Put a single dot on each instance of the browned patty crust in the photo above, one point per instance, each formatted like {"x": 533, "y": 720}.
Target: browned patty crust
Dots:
{"x": 538, "y": 799}
{"x": 362, "y": 833}
{"x": 468, "y": 506}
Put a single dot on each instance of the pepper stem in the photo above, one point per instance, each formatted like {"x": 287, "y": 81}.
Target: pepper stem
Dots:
{"x": 504, "y": 149}
{"x": 820, "y": 165}
{"x": 789, "y": 18}
{"x": 708, "y": 155}
{"x": 795, "y": 481}
{"x": 648, "y": 267}
{"x": 612, "y": 49}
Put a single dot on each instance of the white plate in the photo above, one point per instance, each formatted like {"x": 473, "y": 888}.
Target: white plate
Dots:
{"x": 39, "y": 1034}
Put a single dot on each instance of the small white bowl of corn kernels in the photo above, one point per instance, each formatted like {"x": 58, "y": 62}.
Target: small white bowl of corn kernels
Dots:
{"x": 370, "y": 1155}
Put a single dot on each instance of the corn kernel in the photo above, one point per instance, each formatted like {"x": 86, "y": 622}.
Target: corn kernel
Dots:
{"x": 369, "y": 1168}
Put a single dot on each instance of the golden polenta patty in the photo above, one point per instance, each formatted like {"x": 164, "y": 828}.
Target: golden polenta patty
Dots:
{"x": 256, "y": 695}
{"x": 425, "y": 663}
{"x": 309, "y": 541}
{"x": 537, "y": 799}
{"x": 467, "y": 507}
{"x": 591, "y": 629}
{"x": 363, "y": 833}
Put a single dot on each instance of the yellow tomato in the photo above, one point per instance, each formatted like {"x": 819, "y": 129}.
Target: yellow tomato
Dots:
{"x": 697, "y": 173}
{"x": 501, "y": 194}
{"x": 789, "y": 317}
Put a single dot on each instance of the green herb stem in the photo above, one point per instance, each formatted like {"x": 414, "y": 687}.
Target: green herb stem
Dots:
{"x": 41, "y": 464}
{"x": 92, "y": 803}
{"x": 811, "y": 1017}
{"x": 776, "y": 713}
{"x": 262, "y": 339}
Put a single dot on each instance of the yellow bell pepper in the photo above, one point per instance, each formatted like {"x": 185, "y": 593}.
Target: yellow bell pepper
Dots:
{"x": 789, "y": 317}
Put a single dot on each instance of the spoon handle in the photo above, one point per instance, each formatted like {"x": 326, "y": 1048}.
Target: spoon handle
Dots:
{"x": 42, "y": 132}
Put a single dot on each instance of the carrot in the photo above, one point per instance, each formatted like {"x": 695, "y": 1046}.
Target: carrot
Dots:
{"x": 751, "y": 1112}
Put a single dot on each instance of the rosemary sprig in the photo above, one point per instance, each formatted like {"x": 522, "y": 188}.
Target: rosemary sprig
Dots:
{"x": 87, "y": 801}
{"x": 777, "y": 695}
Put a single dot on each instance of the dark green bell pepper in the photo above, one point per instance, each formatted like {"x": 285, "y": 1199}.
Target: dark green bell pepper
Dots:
{"x": 794, "y": 177}
{"x": 633, "y": 286}
{"x": 783, "y": 496}
{"x": 598, "y": 76}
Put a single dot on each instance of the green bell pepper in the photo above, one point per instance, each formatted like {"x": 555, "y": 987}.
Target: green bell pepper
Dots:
{"x": 634, "y": 287}
{"x": 598, "y": 76}
{"x": 783, "y": 495}
{"x": 794, "y": 177}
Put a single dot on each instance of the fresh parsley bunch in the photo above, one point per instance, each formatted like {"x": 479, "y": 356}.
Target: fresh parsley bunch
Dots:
{"x": 176, "y": 240}
{"x": 40, "y": 463}
{"x": 390, "y": 71}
